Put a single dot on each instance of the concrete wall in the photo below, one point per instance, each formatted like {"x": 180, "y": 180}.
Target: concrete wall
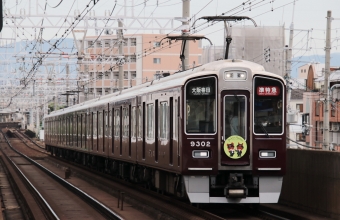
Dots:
{"x": 312, "y": 182}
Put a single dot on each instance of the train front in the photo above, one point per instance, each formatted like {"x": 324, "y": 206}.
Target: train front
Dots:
{"x": 234, "y": 141}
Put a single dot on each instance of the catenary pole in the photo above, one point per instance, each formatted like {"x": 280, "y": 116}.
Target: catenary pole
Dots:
{"x": 186, "y": 14}
{"x": 326, "y": 83}
{"x": 289, "y": 67}
{"x": 120, "y": 48}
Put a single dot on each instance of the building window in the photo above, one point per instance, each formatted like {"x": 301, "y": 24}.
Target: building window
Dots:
{"x": 317, "y": 108}
{"x": 132, "y": 58}
{"x": 156, "y": 44}
{"x": 133, "y": 41}
{"x": 133, "y": 74}
{"x": 321, "y": 126}
{"x": 107, "y": 75}
{"x": 157, "y": 60}
{"x": 299, "y": 107}
{"x": 333, "y": 110}
{"x": 316, "y": 131}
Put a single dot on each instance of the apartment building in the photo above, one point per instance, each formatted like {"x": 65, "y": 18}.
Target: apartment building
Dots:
{"x": 314, "y": 104}
{"x": 146, "y": 57}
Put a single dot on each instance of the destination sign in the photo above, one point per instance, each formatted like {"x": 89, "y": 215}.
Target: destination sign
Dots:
{"x": 268, "y": 90}
{"x": 197, "y": 90}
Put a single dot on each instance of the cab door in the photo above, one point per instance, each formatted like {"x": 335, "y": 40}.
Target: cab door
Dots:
{"x": 235, "y": 149}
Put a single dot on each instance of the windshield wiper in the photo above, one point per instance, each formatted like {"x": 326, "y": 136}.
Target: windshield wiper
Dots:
{"x": 262, "y": 127}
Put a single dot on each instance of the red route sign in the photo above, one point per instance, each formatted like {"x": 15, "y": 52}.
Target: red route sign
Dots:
{"x": 268, "y": 90}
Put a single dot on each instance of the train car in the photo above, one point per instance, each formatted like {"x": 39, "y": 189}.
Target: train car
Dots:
{"x": 214, "y": 134}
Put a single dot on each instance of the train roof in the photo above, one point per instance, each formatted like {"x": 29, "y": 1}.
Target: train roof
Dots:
{"x": 174, "y": 80}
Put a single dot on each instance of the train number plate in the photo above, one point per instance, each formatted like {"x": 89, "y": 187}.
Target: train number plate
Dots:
{"x": 200, "y": 143}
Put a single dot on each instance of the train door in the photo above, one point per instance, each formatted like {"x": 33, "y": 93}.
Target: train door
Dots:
{"x": 235, "y": 149}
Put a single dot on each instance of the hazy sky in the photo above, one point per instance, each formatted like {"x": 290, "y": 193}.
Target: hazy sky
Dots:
{"x": 308, "y": 15}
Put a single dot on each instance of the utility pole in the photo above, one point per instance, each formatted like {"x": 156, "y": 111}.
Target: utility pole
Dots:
{"x": 37, "y": 121}
{"x": 186, "y": 14}
{"x": 326, "y": 83}
{"x": 289, "y": 68}
{"x": 120, "y": 51}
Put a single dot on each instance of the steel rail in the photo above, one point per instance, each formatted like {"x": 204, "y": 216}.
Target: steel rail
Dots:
{"x": 51, "y": 213}
{"x": 110, "y": 214}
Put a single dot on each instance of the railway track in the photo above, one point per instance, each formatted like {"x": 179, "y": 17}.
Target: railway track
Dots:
{"x": 154, "y": 203}
{"x": 53, "y": 195}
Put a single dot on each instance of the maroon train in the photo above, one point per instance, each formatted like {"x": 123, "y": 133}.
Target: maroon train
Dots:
{"x": 215, "y": 133}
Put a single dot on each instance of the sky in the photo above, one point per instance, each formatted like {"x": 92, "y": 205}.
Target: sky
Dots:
{"x": 309, "y": 17}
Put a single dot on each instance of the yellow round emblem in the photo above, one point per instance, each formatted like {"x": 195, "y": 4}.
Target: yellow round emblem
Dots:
{"x": 235, "y": 147}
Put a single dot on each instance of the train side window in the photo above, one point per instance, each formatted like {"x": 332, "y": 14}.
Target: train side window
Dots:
{"x": 100, "y": 129}
{"x": 163, "y": 120}
{"x": 117, "y": 122}
{"x": 84, "y": 131}
{"x": 150, "y": 123}
{"x": 95, "y": 130}
{"x": 133, "y": 122}
{"x": 91, "y": 130}
{"x": 140, "y": 122}
{"x": 78, "y": 130}
{"x": 176, "y": 119}
{"x": 125, "y": 122}
{"x": 201, "y": 105}
{"x": 108, "y": 123}
{"x": 112, "y": 129}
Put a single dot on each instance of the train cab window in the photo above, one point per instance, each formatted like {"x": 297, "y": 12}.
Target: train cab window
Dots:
{"x": 234, "y": 115}
{"x": 201, "y": 105}
{"x": 150, "y": 125}
{"x": 268, "y": 106}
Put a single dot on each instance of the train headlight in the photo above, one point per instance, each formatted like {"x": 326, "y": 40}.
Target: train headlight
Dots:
{"x": 267, "y": 154}
{"x": 235, "y": 75}
{"x": 229, "y": 75}
{"x": 200, "y": 154}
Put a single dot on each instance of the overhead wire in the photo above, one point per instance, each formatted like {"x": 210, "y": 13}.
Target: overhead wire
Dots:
{"x": 39, "y": 61}
{"x": 56, "y": 5}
